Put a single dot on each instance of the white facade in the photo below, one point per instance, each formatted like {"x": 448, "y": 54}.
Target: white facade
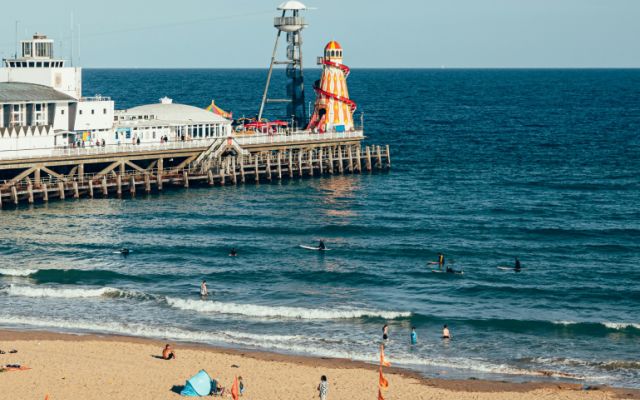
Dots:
{"x": 153, "y": 123}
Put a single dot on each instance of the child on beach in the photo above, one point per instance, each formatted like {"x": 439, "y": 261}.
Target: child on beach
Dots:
{"x": 323, "y": 387}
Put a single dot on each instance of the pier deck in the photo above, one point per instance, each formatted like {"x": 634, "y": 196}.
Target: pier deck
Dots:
{"x": 47, "y": 174}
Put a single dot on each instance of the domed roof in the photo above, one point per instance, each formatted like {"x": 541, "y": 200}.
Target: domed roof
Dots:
{"x": 333, "y": 45}
{"x": 292, "y": 5}
{"x": 176, "y": 112}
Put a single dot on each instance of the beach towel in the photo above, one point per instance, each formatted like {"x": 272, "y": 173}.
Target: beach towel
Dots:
{"x": 11, "y": 369}
{"x": 197, "y": 385}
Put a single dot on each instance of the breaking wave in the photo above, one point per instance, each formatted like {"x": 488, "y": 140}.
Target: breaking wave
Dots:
{"x": 69, "y": 293}
{"x": 252, "y": 310}
{"x": 17, "y": 272}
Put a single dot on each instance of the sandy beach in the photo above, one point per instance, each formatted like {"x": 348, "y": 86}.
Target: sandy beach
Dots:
{"x": 65, "y": 366}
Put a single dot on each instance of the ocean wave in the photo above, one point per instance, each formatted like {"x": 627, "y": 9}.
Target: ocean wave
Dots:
{"x": 17, "y": 272}
{"x": 621, "y": 325}
{"x": 252, "y": 310}
{"x": 70, "y": 293}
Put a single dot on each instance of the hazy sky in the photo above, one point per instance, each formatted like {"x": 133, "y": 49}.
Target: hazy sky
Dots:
{"x": 401, "y": 33}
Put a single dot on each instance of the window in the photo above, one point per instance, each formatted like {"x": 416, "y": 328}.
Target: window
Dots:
{"x": 17, "y": 115}
{"x": 39, "y": 113}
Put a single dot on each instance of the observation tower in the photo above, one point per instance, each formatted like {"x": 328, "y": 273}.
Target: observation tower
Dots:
{"x": 291, "y": 23}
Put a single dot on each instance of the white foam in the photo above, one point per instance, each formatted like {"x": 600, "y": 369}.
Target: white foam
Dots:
{"x": 17, "y": 272}
{"x": 620, "y": 325}
{"x": 36, "y": 291}
{"x": 252, "y": 310}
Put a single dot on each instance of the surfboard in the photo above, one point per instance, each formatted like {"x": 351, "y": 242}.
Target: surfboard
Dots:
{"x": 316, "y": 248}
{"x": 437, "y": 271}
{"x": 506, "y": 268}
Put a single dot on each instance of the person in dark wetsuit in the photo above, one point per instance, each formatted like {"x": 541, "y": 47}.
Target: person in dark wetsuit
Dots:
{"x": 517, "y": 267}
{"x": 321, "y": 246}
{"x": 124, "y": 251}
{"x": 233, "y": 252}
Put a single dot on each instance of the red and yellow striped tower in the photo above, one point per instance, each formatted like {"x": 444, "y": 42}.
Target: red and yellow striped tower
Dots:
{"x": 333, "y": 109}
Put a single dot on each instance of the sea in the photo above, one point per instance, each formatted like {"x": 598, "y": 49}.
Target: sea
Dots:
{"x": 487, "y": 165}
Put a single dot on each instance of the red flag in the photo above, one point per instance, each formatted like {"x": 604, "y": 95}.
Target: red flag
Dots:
{"x": 235, "y": 391}
{"x": 383, "y": 382}
{"x": 380, "y": 395}
{"x": 383, "y": 361}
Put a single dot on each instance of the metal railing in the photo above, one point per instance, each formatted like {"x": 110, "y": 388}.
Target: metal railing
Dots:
{"x": 245, "y": 139}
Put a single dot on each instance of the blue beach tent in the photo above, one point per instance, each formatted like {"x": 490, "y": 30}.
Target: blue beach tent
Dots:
{"x": 198, "y": 385}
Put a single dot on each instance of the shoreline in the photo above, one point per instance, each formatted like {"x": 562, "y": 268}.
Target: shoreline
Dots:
{"x": 420, "y": 384}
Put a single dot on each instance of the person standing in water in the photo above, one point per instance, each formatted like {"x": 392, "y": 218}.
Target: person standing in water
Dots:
{"x": 414, "y": 336}
{"x": 203, "y": 289}
{"x": 385, "y": 332}
{"x": 445, "y": 333}
{"x": 517, "y": 266}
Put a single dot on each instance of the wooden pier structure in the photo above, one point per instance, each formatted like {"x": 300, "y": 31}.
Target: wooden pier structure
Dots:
{"x": 127, "y": 170}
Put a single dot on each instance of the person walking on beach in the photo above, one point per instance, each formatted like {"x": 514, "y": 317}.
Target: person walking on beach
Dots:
{"x": 414, "y": 335}
{"x": 323, "y": 387}
{"x": 385, "y": 332}
{"x": 445, "y": 333}
{"x": 203, "y": 289}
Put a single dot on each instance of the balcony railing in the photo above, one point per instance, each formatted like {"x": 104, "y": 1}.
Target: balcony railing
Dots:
{"x": 195, "y": 143}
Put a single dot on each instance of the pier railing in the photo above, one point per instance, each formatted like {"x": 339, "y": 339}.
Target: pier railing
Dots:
{"x": 245, "y": 139}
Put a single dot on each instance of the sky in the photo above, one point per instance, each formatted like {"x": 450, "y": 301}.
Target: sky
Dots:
{"x": 375, "y": 34}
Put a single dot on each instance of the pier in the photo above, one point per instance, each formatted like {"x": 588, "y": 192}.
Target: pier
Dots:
{"x": 128, "y": 170}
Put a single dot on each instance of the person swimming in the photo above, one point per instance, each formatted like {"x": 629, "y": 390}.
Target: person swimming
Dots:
{"x": 321, "y": 246}
{"x": 124, "y": 251}
{"x": 445, "y": 333}
{"x": 517, "y": 266}
{"x": 204, "y": 291}
{"x": 233, "y": 252}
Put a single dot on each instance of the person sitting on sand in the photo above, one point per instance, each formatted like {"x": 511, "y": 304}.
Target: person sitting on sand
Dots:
{"x": 168, "y": 353}
{"x": 323, "y": 387}
{"x": 445, "y": 333}
{"x": 203, "y": 289}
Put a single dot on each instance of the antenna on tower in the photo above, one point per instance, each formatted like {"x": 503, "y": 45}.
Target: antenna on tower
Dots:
{"x": 71, "y": 39}
{"x": 292, "y": 24}
{"x": 17, "y": 47}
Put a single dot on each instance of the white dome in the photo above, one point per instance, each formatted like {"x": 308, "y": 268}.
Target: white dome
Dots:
{"x": 176, "y": 112}
{"x": 292, "y": 5}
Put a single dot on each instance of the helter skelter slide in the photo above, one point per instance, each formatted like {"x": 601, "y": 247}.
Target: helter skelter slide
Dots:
{"x": 333, "y": 109}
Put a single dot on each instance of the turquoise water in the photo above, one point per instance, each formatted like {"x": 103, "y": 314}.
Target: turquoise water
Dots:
{"x": 487, "y": 165}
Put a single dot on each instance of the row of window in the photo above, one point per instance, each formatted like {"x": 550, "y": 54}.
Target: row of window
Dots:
{"x": 104, "y": 111}
{"x": 18, "y": 114}
{"x": 34, "y": 64}
{"x": 334, "y": 53}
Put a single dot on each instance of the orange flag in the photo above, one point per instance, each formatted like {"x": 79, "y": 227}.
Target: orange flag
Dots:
{"x": 383, "y": 382}
{"x": 383, "y": 361}
{"x": 380, "y": 395}
{"x": 234, "y": 389}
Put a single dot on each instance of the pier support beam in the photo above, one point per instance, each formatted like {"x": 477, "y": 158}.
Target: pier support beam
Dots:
{"x": 159, "y": 173}
{"x": 132, "y": 186}
{"x": 290, "y": 156}
{"x": 388, "y": 157}
{"x": 379, "y": 163}
{"x": 61, "y": 190}
{"x": 14, "y": 193}
{"x": 185, "y": 177}
{"x": 300, "y": 162}
{"x": 242, "y": 168}
{"x": 330, "y": 150}
{"x": 279, "y": 164}
{"x": 119, "y": 185}
{"x": 340, "y": 160}
{"x": 257, "y": 176}
{"x": 350, "y": 155}
{"x": 310, "y": 162}
{"x": 30, "y": 193}
{"x": 81, "y": 173}
{"x": 105, "y": 189}
{"x": 268, "y": 171}
{"x": 76, "y": 192}
{"x": 147, "y": 183}
{"x": 368, "y": 151}
{"x": 320, "y": 161}
{"x": 90, "y": 188}
{"x": 45, "y": 192}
